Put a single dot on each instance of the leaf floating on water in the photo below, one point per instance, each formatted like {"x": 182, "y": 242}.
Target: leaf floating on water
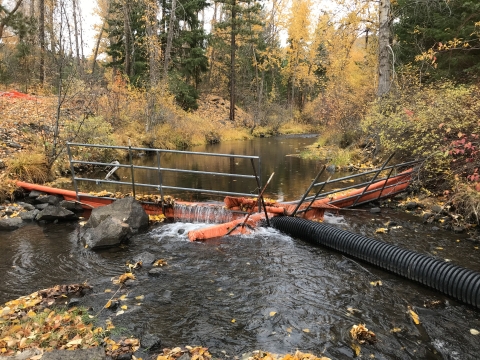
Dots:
{"x": 272, "y": 313}
{"x": 140, "y": 297}
{"x": 439, "y": 248}
{"x": 123, "y": 297}
{"x": 108, "y": 304}
{"x": 289, "y": 330}
{"x": 362, "y": 334}
{"x": 474, "y": 332}
{"x": 376, "y": 283}
{"x": 414, "y": 316}
{"x": 395, "y": 330}
{"x": 120, "y": 312}
{"x": 160, "y": 262}
{"x": 356, "y": 349}
{"x": 381, "y": 231}
{"x": 124, "y": 307}
{"x": 108, "y": 290}
{"x": 124, "y": 277}
{"x": 306, "y": 330}
{"x": 233, "y": 320}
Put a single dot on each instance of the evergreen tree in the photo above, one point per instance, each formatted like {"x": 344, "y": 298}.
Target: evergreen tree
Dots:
{"x": 127, "y": 39}
{"x": 188, "y": 59}
{"x": 443, "y": 35}
{"x": 241, "y": 15}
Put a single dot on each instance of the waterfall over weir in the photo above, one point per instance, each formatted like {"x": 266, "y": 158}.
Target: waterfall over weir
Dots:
{"x": 202, "y": 213}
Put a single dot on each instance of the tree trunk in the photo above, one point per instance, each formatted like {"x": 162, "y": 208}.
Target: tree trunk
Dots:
{"x": 232, "y": 62}
{"x": 383, "y": 49}
{"x": 169, "y": 40}
{"x": 41, "y": 39}
{"x": 127, "y": 32}
{"x": 77, "y": 35}
{"x": 97, "y": 45}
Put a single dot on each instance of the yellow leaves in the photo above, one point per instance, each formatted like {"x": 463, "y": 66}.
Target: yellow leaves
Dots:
{"x": 124, "y": 277}
{"x": 124, "y": 307}
{"x": 381, "y": 231}
{"x": 356, "y": 349}
{"x": 361, "y": 334}
{"x": 474, "y": 332}
{"x": 272, "y": 313}
{"x": 233, "y": 321}
{"x": 395, "y": 330}
{"x": 140, "y": 297}
{"x": 376, "y": 283}
{"x": 108, "y": 304}
{"x": 306, "y": 330}
{"x": 160, "y": 262}
{"x": 156, "y": 218}
{"x": 414, "y": 316}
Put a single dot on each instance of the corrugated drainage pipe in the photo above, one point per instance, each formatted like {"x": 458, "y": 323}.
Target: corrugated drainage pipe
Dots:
{"x": 455, "y": 281}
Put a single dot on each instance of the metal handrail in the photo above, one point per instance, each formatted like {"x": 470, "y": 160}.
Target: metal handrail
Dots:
{"x": 367, "y": 183}
{"x": 161, "y": 186}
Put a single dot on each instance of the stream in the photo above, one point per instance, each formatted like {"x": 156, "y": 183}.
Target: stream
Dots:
{"x": 265, "y": 290}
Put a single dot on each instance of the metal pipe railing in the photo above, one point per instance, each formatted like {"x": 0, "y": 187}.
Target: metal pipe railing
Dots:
{"x": 161, "y": 186}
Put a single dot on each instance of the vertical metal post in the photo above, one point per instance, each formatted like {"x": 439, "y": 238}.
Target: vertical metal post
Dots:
{"x": 160, "y": 180}
{"x": 308, "y": 190}
{"x": 259, "y": 179}
{"x": 372, "y": 181}
{"x": 131, "y": 167}
{"x": 72, "y": 170}
{"x": 261, "y": 197}
{"x": 385, "y": 183}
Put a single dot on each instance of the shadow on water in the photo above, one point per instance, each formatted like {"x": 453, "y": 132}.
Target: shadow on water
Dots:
{"x": 261, "y": 291}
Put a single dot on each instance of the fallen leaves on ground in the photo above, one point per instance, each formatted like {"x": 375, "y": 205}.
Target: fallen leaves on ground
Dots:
{"x": 361, "y": 334}
{"x": 381, "y": 231}
{"x": 195, "y": 353}
{"x": 263, "y": 355}
{"x": 27, "y": 323}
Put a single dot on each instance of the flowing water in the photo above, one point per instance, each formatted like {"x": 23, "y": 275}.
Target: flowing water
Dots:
{"x": 260, "y": 291}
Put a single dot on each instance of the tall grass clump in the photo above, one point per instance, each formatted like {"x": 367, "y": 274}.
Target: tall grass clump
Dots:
{"x": 28, "y": 167}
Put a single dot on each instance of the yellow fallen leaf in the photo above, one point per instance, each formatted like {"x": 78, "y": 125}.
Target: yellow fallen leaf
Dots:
{"x": 395, "y": 330}
{"x": 140, "y": 297}
{"x": 306, "y": 330}
{"x": 439, "y": 248}
{"x": 474, "y": 332}
{"x": 289, "y": 330}
{"x": 272, "y": 313}
{"x": 160, "y": 262}
{"x": 74, "y": 342}
{"x": 233, "y": 320}
{"x": 414, "y": 316}
{"x": 108, "y": 290}
{"x": 120, "y": 312}
{"x": 123, "y": 297}
{"x": 376, "y": 283}
{"x": 86, "y": 246}
{"x": 31, "y": 314}
{"x": 356, "y": 349}
{"x": 124, "y": 307}
{"x": 108, "y": 304}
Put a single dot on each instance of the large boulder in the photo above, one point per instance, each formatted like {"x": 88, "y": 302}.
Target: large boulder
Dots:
{"x": 110, "y": 232}
{"x": 114, "y": 224}
{"x": 10, "y": 224}
{"x": 52, "y": 213}
{"x": 127, "y": 210}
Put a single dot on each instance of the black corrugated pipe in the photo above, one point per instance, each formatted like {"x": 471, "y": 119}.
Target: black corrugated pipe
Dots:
{"x": 455, "y": 281}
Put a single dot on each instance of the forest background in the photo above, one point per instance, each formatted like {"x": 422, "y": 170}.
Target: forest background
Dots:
{"x": 384, "y": 76}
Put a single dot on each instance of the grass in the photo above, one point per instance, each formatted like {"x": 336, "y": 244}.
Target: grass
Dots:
{"x": 28, "y": 167}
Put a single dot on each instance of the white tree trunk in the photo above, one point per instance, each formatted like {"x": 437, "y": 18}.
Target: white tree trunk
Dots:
{"x": 384, "y": 72}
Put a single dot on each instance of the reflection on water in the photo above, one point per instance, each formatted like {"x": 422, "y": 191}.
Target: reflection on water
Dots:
{"x": 260, "y": 291}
